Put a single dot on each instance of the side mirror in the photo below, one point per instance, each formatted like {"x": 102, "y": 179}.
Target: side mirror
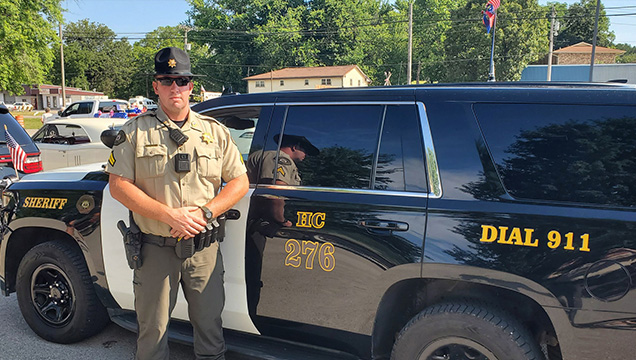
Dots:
{"x": 108, "y": 137}
{"x": 7, "y": 181}
{"x": 59, "y": 112}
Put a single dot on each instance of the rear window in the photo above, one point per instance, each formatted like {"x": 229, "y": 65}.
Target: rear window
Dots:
{"x": 570, "y": 153}
{"x": 15, "y": 129}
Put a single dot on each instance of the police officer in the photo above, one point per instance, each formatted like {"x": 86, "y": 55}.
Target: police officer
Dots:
{"x": 167, "y": 167}
{"x": 293, "y": 149}
{"x": 268, "y": 214}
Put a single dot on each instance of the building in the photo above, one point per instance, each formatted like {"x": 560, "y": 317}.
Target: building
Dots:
{"x": 581, "y": 73}
{"x": 44, "y": 95}
{"x": 581, "y": 53}
{"x": 307, "y": 78}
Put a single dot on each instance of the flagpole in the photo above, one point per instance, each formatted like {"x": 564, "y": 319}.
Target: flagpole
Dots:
{"x": 491, "y": 74}
{"x": 6, "y": 131}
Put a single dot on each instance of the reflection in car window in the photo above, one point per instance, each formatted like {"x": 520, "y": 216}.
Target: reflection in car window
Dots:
{"x": 563, "y": 152}
{"x": 400, "y": 161}
{"x": 345, "y": 138}
{"x": 241, "y": 122}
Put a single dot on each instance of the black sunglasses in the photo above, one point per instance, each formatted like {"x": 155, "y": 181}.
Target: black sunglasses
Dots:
{"x": 181, "y": 81}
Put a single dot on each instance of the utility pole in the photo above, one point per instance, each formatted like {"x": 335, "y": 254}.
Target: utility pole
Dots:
{"x": 551, "y": 43}
{"x": 62, "y": 66}
{"x": 419, "y": 68}
{"x": 491, "y": 72}
{"x": 186, "y": 46}
{"x": 410, "y": 62}
{"x": 598, "y": 7}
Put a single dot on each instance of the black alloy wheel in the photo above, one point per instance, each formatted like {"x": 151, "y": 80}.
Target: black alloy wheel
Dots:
{"x": 52, "y": 294}
{"x": 56, "y": 293}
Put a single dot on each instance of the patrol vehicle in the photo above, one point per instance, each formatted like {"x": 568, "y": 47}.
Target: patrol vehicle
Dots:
{"x": 460, "y": 221}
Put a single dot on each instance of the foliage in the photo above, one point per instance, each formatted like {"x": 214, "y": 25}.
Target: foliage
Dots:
{"x": 519, "y": 40}
{"x": 578, "y": 25}
{"x": 630, "y": 53}
{"x": 27, "y": 37}
{"x": 233, "y": 39}
{"x": 143, "y": 58}
{"x": 432, "y": 22}
{"x": 94, "y": 59}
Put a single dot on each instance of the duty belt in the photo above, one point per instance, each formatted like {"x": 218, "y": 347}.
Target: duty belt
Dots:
{"x": 159, "y": 240}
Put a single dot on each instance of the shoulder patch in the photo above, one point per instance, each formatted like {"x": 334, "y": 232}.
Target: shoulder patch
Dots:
{"x": 284, "y": 161}
{"x": 120, "y": 138}
{"x": 111, "y": 159}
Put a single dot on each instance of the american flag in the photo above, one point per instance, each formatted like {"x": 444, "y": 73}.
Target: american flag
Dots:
{"x": 18, "y": 156}
{"x": 489, "y": 14}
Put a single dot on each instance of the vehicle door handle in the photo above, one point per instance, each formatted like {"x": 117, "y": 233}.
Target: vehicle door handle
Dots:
{"x": 232, "y": 214}
{"x": 384, "y": 225}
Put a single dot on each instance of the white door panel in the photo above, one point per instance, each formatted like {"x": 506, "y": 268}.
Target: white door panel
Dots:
{"x": 119, "y": 276}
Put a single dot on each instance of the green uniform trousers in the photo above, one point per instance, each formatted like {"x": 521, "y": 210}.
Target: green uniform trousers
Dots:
{"x": 156, "y": 284}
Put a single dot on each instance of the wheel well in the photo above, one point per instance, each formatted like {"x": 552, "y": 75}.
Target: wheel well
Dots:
{"x": 405, "y": 299}
{"x": 21, "y": 241}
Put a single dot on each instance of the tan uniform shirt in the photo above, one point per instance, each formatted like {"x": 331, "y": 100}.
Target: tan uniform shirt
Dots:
{"x": 147, "y": 154}
{"x": 285, "y": 170}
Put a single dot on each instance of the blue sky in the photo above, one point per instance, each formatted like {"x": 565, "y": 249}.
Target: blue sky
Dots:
{"x": 135, "y": 18}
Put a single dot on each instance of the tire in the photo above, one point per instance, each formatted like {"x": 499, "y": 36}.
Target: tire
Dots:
{"x": 56, "y": 294}
{"x": 464, "y": 330}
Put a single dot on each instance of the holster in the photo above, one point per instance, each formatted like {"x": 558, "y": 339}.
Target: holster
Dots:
{"x": 132, "y": 243}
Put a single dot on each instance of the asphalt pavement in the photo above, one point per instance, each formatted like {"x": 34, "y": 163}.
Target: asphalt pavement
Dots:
{"x": 19, "y": 342}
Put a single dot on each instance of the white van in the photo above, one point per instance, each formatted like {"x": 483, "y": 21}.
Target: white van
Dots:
{"x": 140, "y": 102}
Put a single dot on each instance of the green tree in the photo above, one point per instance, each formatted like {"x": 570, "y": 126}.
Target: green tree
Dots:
{"x": 27, "y": 31}
{"x": 520, "y": 38}
{"x": 284, "y": 40}
{"x": 385, "y": 45}
{"x": 578, "y": 25}
{"x": 225, "y": 28}
{"x": 143, "y": 58}
{"x": 431, "y": 23}
{"x": 630, "y": 53}
{"x": 94, "y": 59}
{"x": 252, "y": 37}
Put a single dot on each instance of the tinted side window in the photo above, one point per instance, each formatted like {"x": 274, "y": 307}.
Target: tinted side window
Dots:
{"x": 242, "y": 123}
{"x": 71, "y": 110}
{"x": 85, "y": 108}
{"x": 573, "y": 153}
{"x": 400, "y": 161}
{"x": 339, "y": 144}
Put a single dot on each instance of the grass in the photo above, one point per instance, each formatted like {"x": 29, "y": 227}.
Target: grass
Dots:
{"x": 31, "y": 118}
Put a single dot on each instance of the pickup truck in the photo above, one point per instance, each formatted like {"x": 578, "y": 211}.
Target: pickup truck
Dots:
{"x": 447, "y": 221}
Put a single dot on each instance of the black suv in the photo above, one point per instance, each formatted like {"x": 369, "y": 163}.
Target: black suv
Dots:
{"x": 464, "y": 221}
{"x": 33, "y": 162}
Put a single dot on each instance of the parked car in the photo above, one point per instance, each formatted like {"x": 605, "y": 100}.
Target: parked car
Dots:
{"x": 73, "y": 141}
{"x": 33, "y": 162}
{"x": 22, "y": 106}
{"x": 92, "y": 108}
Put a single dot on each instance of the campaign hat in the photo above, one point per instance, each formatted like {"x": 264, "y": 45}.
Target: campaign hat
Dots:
{"x": 172, "y": 61}
{"x": 289, "y": 140}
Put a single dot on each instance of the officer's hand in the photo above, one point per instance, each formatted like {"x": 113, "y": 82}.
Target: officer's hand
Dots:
{"x": 186, "y": 222}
